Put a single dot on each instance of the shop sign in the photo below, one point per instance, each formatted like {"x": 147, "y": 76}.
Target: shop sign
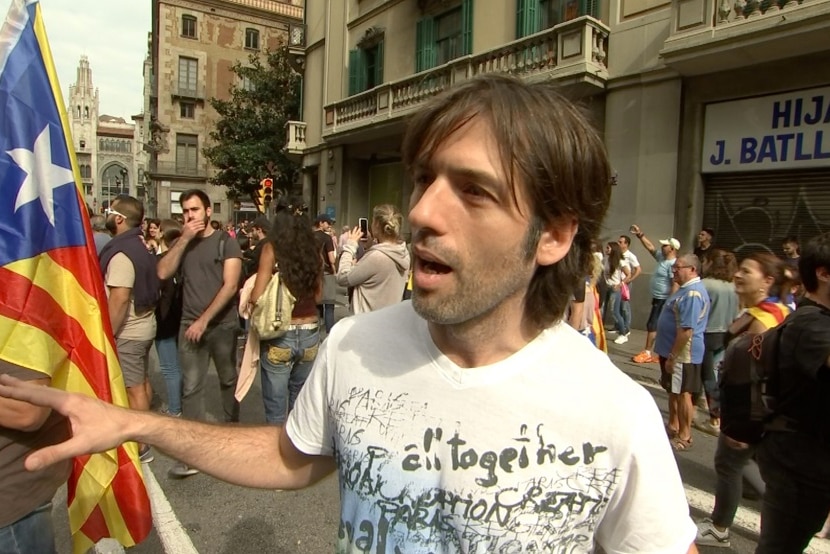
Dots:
{"x": 781, "y": 131}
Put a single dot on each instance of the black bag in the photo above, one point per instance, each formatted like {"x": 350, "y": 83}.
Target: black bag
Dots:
{"x": 750, "y": 382}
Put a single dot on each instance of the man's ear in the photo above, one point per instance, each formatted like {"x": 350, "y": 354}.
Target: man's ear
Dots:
{"x": 556, "y": 239}
{"x": 823, "y": 274}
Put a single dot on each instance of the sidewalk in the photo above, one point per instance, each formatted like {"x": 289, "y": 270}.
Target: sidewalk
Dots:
{"x": 621, "y": 355}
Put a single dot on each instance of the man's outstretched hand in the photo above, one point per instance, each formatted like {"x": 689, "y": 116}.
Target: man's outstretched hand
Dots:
{"x": 96, "y": 425}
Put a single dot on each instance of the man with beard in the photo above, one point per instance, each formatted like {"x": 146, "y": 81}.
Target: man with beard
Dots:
{"x": 132, "y": 292}
{"x": 467, "y": 419}
{"x": 210, "y": 265}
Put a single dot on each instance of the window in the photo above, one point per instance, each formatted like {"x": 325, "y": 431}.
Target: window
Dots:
{"x": 187, "y": 110}
{"x": 188, "y": 76}
{"x": 188, "y": 26}
{"x": 217, "y": 208}
{"x": 86, "y": 112}
{"x": 365, "y": 68}
{"x": 187, "y": 149}
{"x": 79, "y": 112}
{"x": 444, "y": 37}
{"x": 252, "y": 39}
{"x": 247, "y": 84}
{"x": 533, "y": 16}
{"x": 448, "y": 36}
{"x": 175, "y": 204}
{"x": 115, "y": 181}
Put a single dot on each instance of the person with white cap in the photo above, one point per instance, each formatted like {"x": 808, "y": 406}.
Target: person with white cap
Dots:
{"x": 662, "y": 285}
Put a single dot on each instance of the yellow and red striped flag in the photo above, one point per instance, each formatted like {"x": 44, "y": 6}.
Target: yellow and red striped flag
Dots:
{"x": 53, "y": 316}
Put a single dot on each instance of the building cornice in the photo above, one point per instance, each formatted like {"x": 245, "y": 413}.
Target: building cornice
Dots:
{"x": 234, "y": 10}
{"x": 361, "y": 19}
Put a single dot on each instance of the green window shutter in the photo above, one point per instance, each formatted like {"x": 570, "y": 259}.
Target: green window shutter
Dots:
{"x": 425, "y": 54}
{"x": 521, "y": 8}
{"x": 467, "y": 26}
{"x": 527, "y": 18}
{"x": 379, "y": 64}
{"x": 354, "y": 74}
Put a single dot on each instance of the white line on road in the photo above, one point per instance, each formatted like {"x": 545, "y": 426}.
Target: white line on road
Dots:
{"x": 168, "y": 527}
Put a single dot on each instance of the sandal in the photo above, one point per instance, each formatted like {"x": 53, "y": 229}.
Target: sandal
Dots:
{"x": 681, "y": 445}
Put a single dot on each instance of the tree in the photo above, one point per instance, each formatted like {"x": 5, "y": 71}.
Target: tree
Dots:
{"x": 247, "y": 143}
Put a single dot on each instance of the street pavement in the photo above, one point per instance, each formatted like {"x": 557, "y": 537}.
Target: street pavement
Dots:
{"x": 202, "y": 514}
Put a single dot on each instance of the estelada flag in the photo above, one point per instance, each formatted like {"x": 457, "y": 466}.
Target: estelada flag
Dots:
{"x": 53, "y": 316}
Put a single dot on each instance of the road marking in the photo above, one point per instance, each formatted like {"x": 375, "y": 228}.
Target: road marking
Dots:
{"x": 168, "y": 527}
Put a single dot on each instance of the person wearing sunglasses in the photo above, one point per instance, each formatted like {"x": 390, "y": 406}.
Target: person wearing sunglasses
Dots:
{"x": 679, "y": 344}
{"x": 132, "y": 293}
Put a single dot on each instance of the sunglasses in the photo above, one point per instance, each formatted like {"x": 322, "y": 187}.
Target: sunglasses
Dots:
{"x": 110, "y": 211}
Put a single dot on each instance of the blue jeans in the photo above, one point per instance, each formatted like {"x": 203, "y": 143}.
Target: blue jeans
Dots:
{"x": 619, "y": 319}
{"x": 732, "y": 465}
{"x": 626, "y": 312}
{"x": 168, "y": 352}
{"x": 31, "y": 533}
{"x": 796, "y": 468}
{"x": 286, "y": 362}
{"x": 713, "y": 352}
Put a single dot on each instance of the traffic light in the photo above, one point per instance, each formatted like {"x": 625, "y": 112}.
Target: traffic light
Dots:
{"x": 264, "y": 194}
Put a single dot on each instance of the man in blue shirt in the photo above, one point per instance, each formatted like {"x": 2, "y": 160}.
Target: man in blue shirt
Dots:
{"x": 661, "y": 286}
{"x": 679, "y": 344}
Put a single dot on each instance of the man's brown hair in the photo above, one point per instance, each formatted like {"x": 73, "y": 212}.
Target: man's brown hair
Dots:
{"x": 548, "y": 147}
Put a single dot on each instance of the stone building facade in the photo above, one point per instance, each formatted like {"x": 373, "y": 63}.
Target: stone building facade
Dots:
{"x": 193, "y": 45}
{"x": 674, "y": 85}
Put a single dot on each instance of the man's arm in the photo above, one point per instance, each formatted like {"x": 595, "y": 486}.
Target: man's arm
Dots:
{"x": 680, "y": 340}
{"x": 231, "y": 269}
{"x": 169, "y": 263}
{"x": 118, "y": 305}
{"x": 22, "y": 416}
{"x": 635, "y": 272}
{"x": 261, "y": 456}
{"x": 647, "y": 244}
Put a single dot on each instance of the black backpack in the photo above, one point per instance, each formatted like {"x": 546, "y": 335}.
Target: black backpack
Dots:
{"x": 750, "y": 382}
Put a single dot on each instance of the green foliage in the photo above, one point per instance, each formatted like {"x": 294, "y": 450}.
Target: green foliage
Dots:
{"x": 247, "y": 142}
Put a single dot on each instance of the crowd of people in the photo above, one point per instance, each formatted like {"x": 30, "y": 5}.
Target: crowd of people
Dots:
{"x": 473, "y": 417}
{"x": 702, "y": 301}
{"x": 174, "y": 283}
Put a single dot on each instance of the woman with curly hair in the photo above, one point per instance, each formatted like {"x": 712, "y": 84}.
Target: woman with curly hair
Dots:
{"x": 286, "y": 361}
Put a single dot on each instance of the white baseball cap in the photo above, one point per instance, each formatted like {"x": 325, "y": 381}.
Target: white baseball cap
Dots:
{"x": 673, "y": 242}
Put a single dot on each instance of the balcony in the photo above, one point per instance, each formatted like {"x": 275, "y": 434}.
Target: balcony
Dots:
{"x": 717, "y": 35}
{"x": 295, "y": 142}
{"x": 572, "y": 53}
{"x": 183, "y": 92}
{"x": 177, "y": 171}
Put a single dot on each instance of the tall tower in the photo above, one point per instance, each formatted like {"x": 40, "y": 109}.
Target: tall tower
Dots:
{"x": 83, "y": 121}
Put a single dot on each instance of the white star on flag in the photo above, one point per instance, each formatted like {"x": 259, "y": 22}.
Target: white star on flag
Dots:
{"x": 42, "y": 176}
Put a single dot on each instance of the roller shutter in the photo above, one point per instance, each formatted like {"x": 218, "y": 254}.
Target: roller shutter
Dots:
{"x": 756, "y": 211}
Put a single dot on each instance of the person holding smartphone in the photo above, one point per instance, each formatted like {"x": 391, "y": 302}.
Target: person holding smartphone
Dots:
{"x": 380, "y": 277}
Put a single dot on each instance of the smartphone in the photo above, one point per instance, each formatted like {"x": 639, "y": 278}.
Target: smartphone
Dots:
{"x": 364, "y": 226}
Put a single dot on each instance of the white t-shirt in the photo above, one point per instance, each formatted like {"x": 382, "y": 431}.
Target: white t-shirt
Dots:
{"x": 552, "y": 449}
{"x": 631, "y": 258}
{"x": 616, "y": 277}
